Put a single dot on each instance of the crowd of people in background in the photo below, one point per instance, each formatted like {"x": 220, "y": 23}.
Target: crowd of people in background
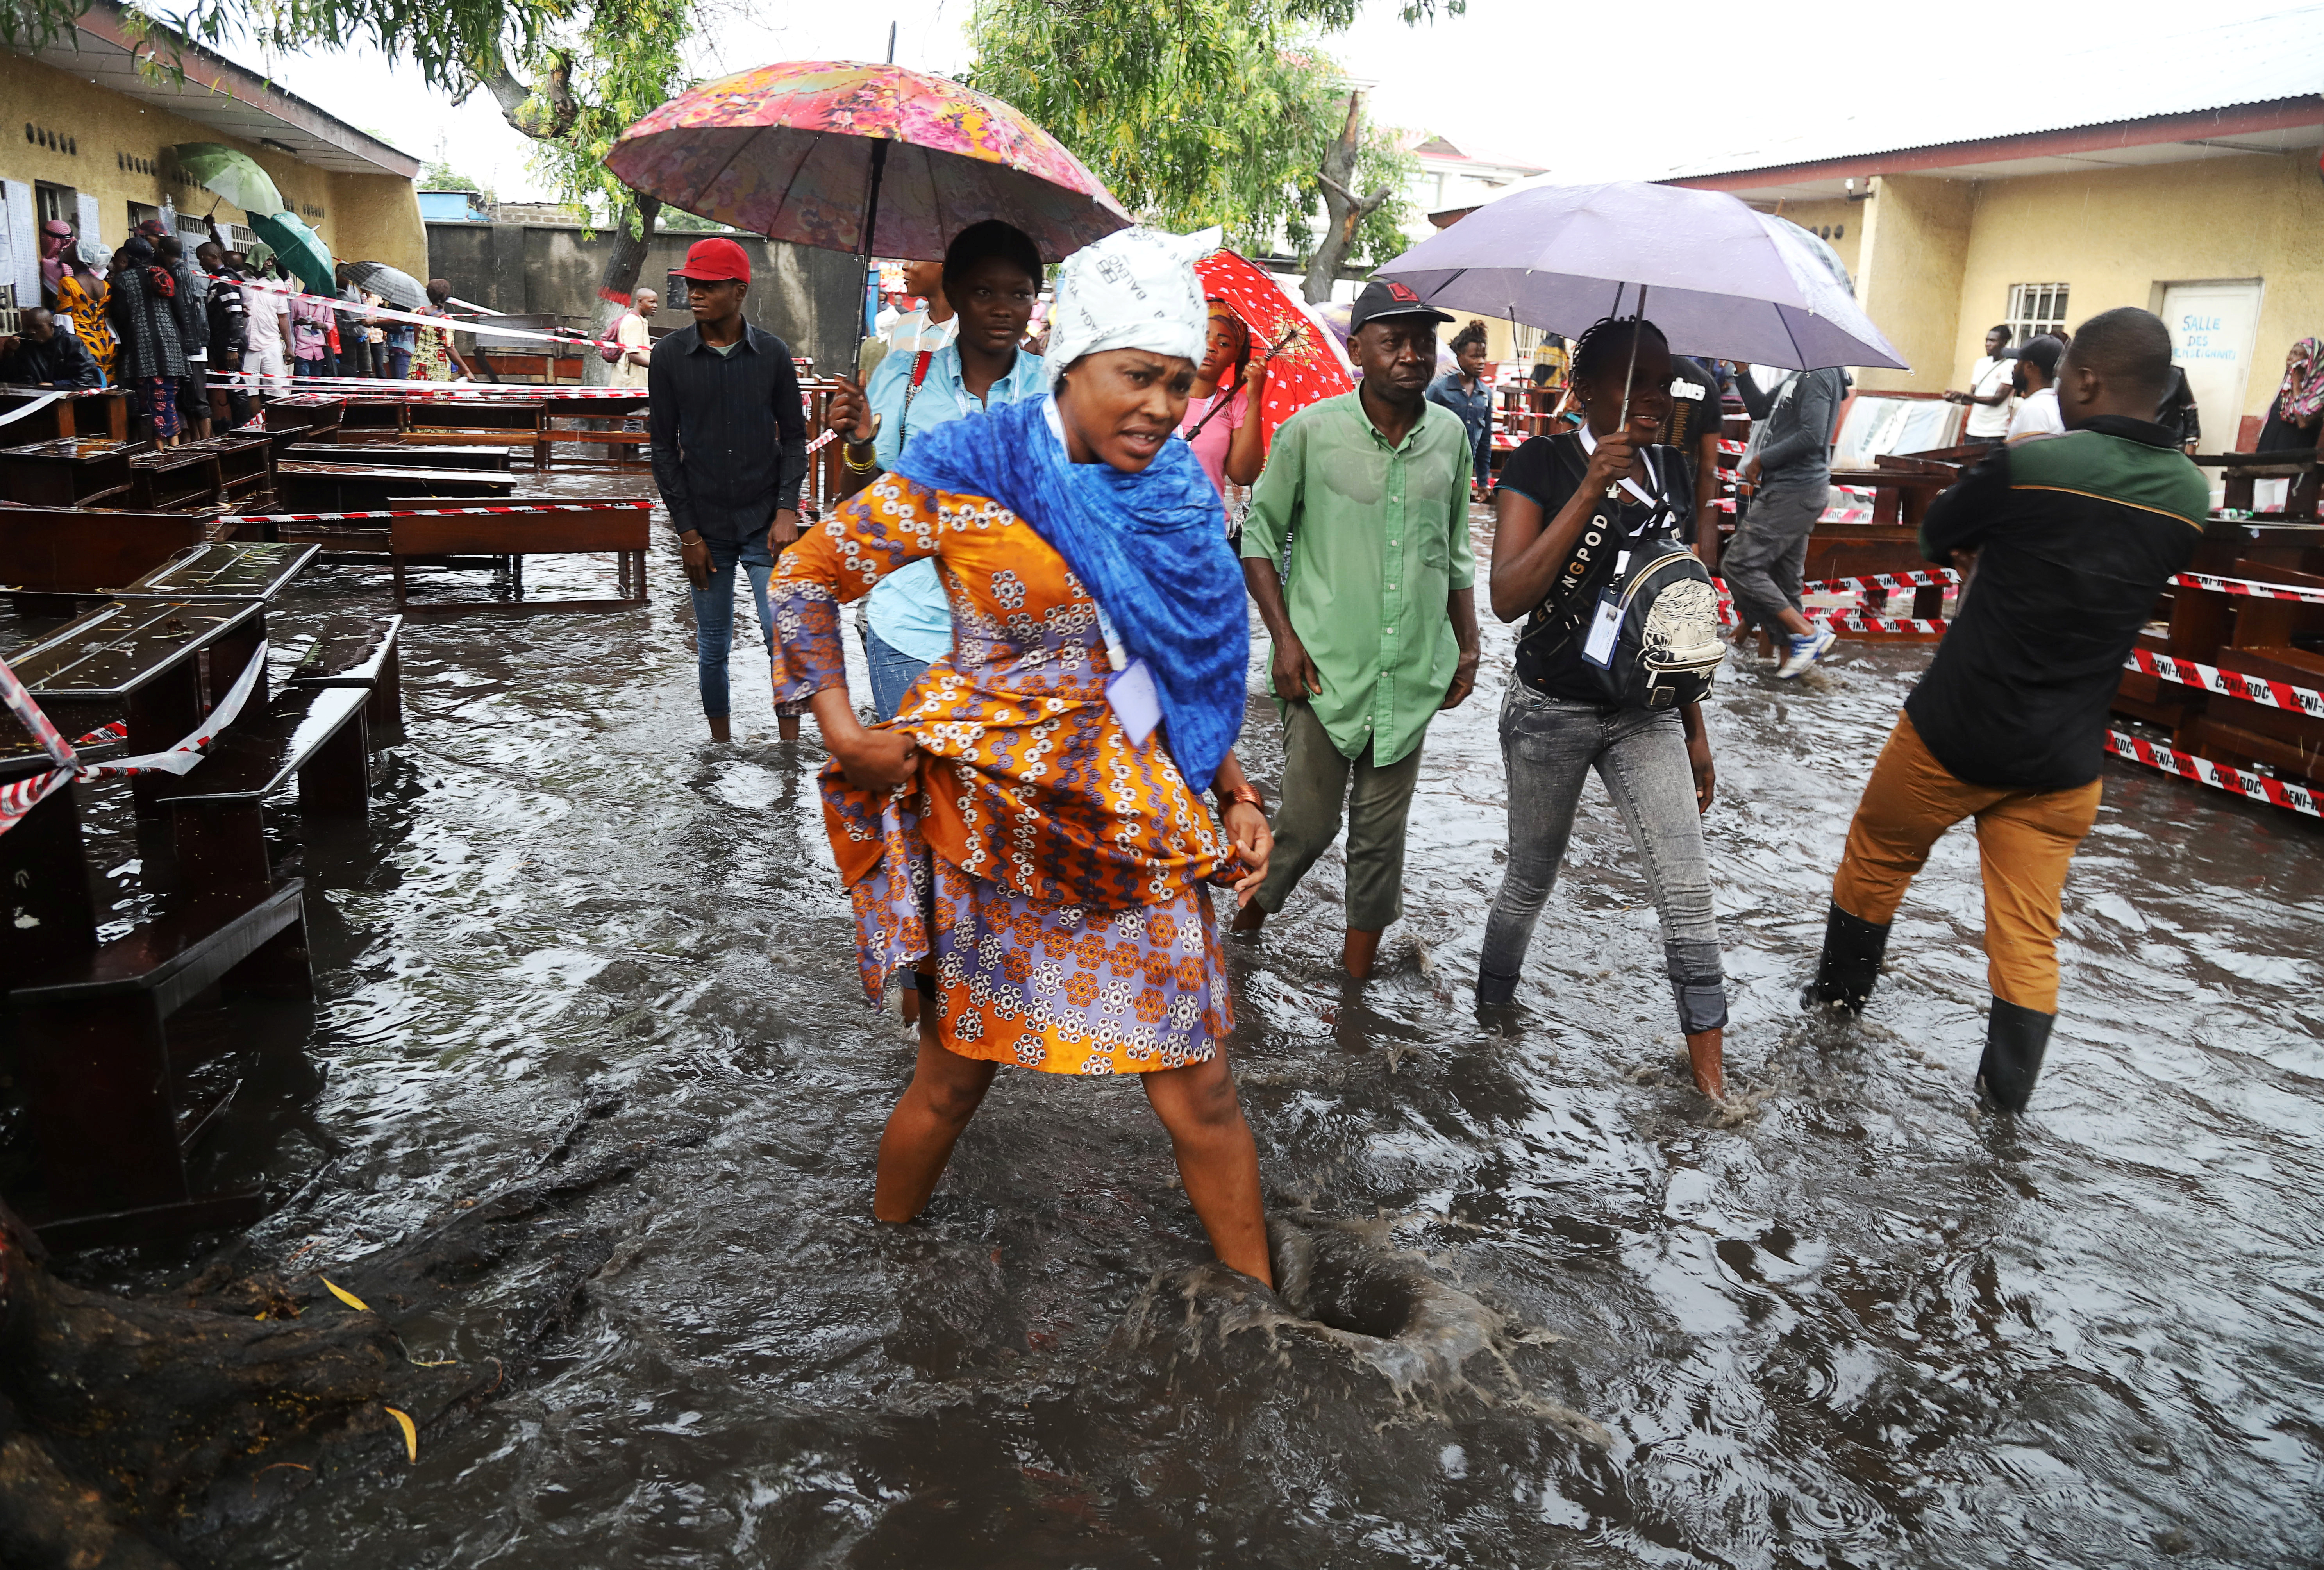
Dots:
{"x": 1060, "y": 589}
{"x": 191, "y": 336}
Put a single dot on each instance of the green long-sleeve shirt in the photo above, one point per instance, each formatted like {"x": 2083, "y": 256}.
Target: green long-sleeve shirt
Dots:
{"x": 1379, "y": 540}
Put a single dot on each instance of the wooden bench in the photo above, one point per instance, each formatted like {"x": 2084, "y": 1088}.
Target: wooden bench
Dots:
{"x": 94, "y": 1068}
{"x": 621, "y": 526}
{"x": 175, "y": 479}
{"x": 2240, "y": 470}
{"x": 72, "y": 471}
{"x": 90, "y": 1021}
{"x": 59, "y": 550}
{"x": 361, "y": 487}
{"x": 394, "y": 452}
{"x": 80, "y": 412}
{"x": 359, "y": 652}
{"x": 471, "y": 423}
{"x": 94, "y": 1060}
{"x": 142, "y": 662}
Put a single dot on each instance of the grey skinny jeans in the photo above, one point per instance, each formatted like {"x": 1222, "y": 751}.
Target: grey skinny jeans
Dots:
{"x": 1549, "y": 747}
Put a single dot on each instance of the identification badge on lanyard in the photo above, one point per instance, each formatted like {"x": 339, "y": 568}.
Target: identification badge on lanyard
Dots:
{"x": 1605, "y": 627}
{"x": 1130, "y": 692}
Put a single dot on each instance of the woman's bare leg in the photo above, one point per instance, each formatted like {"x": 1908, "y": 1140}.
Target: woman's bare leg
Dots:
{"x": 1217, "y": 1159}
{"x": 944, "y": 1092}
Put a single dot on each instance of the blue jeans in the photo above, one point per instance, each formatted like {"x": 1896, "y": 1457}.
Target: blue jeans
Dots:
{"x": 398, "y": 364}
{"x": 893, "y": 671}
{"x": 714, "y": 614}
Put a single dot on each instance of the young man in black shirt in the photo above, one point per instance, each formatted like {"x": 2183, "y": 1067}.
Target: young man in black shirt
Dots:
{"x": 2072, "y": 536}
{"x": 729, "y": 455}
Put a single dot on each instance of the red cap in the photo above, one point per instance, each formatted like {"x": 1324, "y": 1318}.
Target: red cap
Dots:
{"x": 716, "y": 261}
{"x": 155, "y": 228}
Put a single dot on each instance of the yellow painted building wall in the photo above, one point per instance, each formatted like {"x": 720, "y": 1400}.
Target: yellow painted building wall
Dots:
{"x": 2113, "y": 235}
{"x": 1916, "y": 242}
{"x": 375, "y": 217}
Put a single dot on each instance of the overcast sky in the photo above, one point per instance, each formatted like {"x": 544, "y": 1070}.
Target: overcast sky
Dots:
{"x": 1615, "y": 90}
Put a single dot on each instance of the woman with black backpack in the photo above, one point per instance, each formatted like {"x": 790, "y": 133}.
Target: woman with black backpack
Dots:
{"x": 1619, "y": 645}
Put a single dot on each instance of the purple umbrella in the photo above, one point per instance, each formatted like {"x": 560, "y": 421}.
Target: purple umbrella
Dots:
{"x": 1721, "y": 280}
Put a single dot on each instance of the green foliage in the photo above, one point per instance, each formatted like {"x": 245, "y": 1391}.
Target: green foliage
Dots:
{"x": 438, "y": 175}
{"x": 1194, "y": 112}
{"x": 691, "y": 222}
{"x": 595, "y": 73}
{"x": 573, "y": 74}
{"x": 441, "y": 38}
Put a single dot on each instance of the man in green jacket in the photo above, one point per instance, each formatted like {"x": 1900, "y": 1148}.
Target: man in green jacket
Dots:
{"x": 1374, "y": 623}
{"x": 2072, "y": 536}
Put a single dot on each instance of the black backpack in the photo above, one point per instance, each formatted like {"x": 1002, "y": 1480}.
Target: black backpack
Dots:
{"x": 1647, "y": 620}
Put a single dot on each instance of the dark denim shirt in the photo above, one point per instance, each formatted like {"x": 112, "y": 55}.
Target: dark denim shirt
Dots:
{"x": 729, "y": 434}
{"x": 1475, "y": 409}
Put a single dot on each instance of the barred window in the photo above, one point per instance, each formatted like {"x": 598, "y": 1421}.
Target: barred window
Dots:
{"x": 2035, "y": 309}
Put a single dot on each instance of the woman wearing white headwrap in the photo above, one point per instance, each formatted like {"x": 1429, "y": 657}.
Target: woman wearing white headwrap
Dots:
{"x": 1027, "y": 838}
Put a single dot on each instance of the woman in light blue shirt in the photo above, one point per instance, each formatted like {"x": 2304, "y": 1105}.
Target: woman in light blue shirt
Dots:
{"x": 992, "y": 276}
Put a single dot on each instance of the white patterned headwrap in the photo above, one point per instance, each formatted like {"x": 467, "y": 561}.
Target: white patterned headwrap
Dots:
{"x": 1136, "y": 289}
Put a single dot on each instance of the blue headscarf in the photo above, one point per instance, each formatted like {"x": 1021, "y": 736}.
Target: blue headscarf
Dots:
{"x": 1147, "y": 545}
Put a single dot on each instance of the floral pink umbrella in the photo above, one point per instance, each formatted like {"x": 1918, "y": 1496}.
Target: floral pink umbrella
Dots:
{"x": 871, "y": 159}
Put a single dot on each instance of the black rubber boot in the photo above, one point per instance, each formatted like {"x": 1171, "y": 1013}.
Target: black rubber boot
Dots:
{"x": 2014, "y": 1040}
{"x": 1852, "y": 952}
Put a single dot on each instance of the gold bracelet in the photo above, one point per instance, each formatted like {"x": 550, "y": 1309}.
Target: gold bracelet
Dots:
{"x": 847, "y": 459}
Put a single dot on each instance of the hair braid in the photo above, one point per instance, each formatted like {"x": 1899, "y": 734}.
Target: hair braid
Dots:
{"x": 1600, "y": 337}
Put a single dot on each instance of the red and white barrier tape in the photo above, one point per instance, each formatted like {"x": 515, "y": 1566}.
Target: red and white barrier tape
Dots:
{"x": 1882, "y": 580}
{"x": 435, "y": 511}
{"x": 2259, "y": 690}
{"x": 20, "y": 797}
{"x": 30, "y": 715}
{"x": 1852, "y": 622}
{"x": 378, "y": 313}
{"x": 2244, "y": 586}
{"x": 2218, "y": 776}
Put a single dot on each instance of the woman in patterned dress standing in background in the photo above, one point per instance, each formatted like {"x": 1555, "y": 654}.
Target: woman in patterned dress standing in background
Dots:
{"x": 1028, "y": 837}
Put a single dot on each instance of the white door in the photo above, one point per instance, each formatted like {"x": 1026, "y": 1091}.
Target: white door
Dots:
{"x": 2212, "y": 330}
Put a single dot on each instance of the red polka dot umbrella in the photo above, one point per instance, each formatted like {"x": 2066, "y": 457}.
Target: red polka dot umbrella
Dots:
{"x": 1304, "y": 364}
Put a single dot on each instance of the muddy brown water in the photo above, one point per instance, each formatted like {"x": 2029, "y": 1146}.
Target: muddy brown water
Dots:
{"x": 1546, "y": 1307}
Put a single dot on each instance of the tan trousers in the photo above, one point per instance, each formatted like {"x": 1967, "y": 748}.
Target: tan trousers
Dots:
{"x": 2024, "y": 840}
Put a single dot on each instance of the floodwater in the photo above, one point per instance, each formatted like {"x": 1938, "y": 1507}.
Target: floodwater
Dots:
{"x": 1569, "y": 1312}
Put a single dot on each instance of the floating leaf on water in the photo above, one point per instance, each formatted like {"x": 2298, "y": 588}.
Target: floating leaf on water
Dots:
{"x": 404, "y": 1421}
{"x": 345, "y": 1297}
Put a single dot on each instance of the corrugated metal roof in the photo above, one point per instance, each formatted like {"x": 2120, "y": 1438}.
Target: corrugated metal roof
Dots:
{"x": 223, "y": 95}
{"x": 2138, "y": 74}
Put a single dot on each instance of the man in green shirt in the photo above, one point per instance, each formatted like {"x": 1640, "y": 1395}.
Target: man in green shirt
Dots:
{"x": 1375, "y": 627}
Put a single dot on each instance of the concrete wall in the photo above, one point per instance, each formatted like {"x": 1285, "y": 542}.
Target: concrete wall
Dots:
{"x": 1908, "y": 278}
{"x": 2115, "y": 235}
{"x": 811, "y": 299}
{"x": 375, "y": 217}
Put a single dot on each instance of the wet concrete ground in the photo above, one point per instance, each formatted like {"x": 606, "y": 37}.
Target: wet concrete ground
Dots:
{"x": 1858, "y": 1325}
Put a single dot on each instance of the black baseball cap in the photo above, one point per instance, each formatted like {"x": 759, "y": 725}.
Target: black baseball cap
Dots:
{"x": 1382, "y": 298}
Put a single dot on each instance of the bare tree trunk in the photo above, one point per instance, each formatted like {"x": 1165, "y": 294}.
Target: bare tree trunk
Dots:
{"x": 1345, "y": 210}
{"x": 619, "y": 280}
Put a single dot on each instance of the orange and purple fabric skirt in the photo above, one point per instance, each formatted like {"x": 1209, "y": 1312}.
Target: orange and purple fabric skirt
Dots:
{"x": 1059, "y": 988}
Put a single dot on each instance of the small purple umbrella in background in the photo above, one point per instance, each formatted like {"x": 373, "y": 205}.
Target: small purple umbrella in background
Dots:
{"x": 1721, "y": 280}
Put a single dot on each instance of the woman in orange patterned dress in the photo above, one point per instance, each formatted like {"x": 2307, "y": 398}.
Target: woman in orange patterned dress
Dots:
{"x": 1027, "y": 836}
